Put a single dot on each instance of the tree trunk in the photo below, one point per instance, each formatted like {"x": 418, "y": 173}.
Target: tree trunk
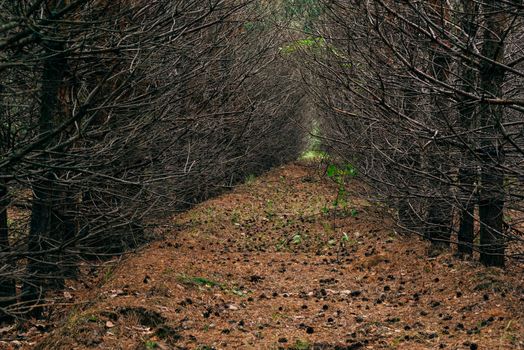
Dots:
{"x": 440, "y": 211}
{"x": 408, "y": 217}
{"x": 466, "y": 233}
{"x": 467, "y": 171}
{"x": 491, "y": 205}
{"x": 44, "y": 240}
{"x": 7, "y": 283}
{"x": 69, "y": 228}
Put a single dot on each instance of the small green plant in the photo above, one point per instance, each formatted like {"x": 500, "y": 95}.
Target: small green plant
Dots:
{"x": 151, "y": 344}
{"x": 238, "y": 292}
{"x": 235, "y": 217}
{"x": 200, "y": 281}
{"x": 280, "y": 245}
{"x": 279, "y": 316}
{"x": 340, "y": 175}
{"x": 301, "y": 345}
{"x": 250, "y": 179}
{"x": 396, "y": 342}
{"x": 270, "y": 209}
{"x": 108, "y": 273}
{"x": 297, "y": 239}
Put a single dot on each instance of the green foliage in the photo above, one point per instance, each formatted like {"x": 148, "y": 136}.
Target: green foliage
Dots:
{"x": 238, "y": 292}
{"x": 201, "y": 281}
{"x": 151, "y": 344}
{"x": 340, "y": 175}
{"x": 235, "y": 217}
{"x": 313, "y": 155}
{"x": 310, "y": 43}
{"x": 301, "y": 345}
{"x": 314, "y": 142}
{"x": 337, "y": 174}
{"x": 270, "y": 209}
{"x": 300, "y": 8}
{"x": 108, "y": 273}
{"x": 250, "y": 26}
{"x": 250, "y": 179}
{"x": 303, "y": 13}
{"x": 281, "y": 244}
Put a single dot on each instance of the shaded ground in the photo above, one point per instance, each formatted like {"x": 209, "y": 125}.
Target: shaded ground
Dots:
{"x": 264, "y": 268}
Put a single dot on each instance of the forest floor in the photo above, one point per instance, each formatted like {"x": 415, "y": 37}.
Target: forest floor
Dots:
{"x": 263, "y": 267}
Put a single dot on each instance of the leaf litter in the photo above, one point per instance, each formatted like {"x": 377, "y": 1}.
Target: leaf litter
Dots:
{"x": 268, "y": 267}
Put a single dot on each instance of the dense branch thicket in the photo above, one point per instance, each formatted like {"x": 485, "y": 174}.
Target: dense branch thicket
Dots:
{"x": 425, "y": 99}
{"x": 114, "y": 113}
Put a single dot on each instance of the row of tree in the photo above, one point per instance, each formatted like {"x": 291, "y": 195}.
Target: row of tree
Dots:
{"x": 114, "y": 113}
{"x": 426, "y": 99}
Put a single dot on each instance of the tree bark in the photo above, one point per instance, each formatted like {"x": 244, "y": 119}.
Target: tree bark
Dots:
{"x": 43, "y": 236}
{"x": 491, "y": 205}
{"x": 440, "y": 211}
{"x": 407, "y": 215}
{"x": 7, "y": 284}
{"x": 467, "y": 172}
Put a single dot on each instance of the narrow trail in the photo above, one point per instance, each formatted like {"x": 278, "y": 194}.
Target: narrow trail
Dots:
{"x": 262, "y": 268}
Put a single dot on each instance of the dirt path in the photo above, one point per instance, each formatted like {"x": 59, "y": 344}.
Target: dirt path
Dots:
{"x": 262, "y": 268}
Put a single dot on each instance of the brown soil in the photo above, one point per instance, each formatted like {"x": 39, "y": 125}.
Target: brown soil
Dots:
{"x": 264, "y": 268}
